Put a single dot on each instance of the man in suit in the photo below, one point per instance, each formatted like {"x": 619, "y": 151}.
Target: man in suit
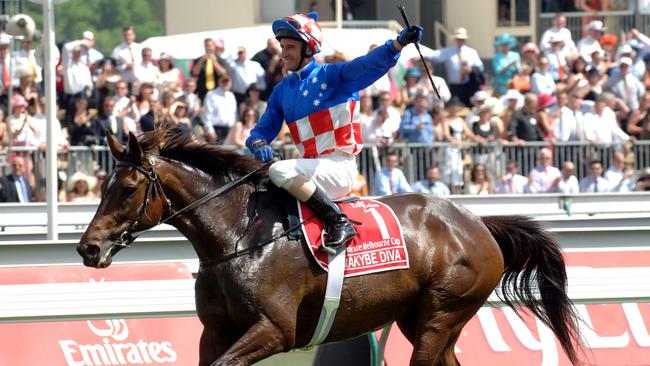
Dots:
{"x": 14, "y": 187}
{"x": 110, "y": 121}
{"x": 594, "y": 182}
{"x": 209, "y": 68}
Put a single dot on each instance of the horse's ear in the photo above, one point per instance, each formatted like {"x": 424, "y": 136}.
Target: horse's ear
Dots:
{"x": 134, "y": 148}
{"x": 117, "y": 150}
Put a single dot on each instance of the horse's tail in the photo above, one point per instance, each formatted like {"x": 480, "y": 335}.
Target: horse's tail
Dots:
{"x": 533, "y": 258}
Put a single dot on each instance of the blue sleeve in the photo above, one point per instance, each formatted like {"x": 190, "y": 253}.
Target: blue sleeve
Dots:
{"x": 270, "y": 123}
{"x": 364, "y": 70}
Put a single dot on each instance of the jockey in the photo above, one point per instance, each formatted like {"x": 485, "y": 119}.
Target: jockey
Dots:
{"x": 320, "y": 104}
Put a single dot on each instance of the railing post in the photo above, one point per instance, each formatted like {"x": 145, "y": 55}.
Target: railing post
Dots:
{"x": 50, "y": 115}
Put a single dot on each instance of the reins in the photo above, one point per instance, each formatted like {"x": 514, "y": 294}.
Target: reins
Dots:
{"x": 128, "y": 236}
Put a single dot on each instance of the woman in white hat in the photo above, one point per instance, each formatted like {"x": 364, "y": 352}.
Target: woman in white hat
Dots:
{"x": 170, "y": 78}
{"x": 178, "y": 116}
{"x": 512, "y": 101}
{"x": 80, "y": 188}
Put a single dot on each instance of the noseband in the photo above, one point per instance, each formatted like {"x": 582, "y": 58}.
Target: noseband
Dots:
{"x": 129, "y": 235}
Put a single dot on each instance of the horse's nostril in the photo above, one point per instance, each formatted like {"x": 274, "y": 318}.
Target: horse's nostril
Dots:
{"x": 88, "y": 250}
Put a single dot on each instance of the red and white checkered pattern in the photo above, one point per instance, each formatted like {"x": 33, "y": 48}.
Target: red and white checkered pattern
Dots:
{"x": 337, "y": 128}
{"x": 309, "y": 30}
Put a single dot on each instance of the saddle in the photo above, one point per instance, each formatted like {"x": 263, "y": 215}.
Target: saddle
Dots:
{"x": 378, "y": 247}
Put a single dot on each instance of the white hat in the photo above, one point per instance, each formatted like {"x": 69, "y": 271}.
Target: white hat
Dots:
{"x": 625, "y": 61}
{"x": 89, "y": 35}
{"x": 78, "y": 176}
{"x": 512, "y": 94}
{"x": 479, "y": 96}
{"x": 596, "y": 25}
{"x": 24, "y": 70}
{"x": 461, "y": 33}
{"x": 166, "y": 56}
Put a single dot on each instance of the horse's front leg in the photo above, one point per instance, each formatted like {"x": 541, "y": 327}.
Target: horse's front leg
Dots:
{"x": 262, "y": 340}
{"x": 214, "y": 343}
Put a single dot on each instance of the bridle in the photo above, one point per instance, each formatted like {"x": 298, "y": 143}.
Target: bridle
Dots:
{"x": 155, "y": 186}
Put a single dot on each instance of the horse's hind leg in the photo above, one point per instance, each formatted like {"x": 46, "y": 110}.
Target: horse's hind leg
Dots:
{"x": 448, "y": 357}
{"x": 436, "y": 337}
{"x": 431, "y": 338}
{"x": 437, "y": 329}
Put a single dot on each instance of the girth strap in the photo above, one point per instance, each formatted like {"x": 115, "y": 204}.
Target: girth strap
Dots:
{"x": 336, "y": 268}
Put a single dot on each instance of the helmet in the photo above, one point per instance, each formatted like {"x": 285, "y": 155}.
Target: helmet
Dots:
{"x": 301, "y": 27}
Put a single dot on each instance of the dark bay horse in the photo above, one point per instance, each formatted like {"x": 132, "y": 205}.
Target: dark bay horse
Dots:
{"x": 255, "y": 301}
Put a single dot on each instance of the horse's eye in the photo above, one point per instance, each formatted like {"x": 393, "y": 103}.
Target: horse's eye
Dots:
{"x": 129, "y": 190}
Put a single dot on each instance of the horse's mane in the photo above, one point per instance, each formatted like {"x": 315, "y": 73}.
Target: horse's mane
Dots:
{"x": 214, "y": 160}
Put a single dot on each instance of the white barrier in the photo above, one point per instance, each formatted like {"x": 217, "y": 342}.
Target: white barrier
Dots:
{"x": 164, "y": 298}
{"x": 96, "y": 300}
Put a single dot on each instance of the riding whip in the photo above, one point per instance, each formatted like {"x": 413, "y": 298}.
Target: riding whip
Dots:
{"x": 417, "y": 47}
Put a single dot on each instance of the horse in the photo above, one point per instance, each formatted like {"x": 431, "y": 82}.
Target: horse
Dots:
{"x": 259, "y": 293}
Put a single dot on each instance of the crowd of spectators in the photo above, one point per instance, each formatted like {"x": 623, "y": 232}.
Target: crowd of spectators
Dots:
{"x": 595, "y": 89}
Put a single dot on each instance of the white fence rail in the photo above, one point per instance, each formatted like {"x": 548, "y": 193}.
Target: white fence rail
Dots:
{"x": 598, "y": 222}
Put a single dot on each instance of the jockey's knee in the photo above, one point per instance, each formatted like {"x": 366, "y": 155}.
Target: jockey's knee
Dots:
{"x": 283, "y": 173}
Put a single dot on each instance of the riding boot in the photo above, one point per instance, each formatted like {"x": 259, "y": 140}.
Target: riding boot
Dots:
{"x": 339, "y": 229}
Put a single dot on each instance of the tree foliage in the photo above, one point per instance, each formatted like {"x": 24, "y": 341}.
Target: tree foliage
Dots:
{"x": 105, "y": 18}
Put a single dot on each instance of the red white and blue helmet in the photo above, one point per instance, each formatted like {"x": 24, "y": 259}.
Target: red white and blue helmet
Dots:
{"x": 301, "y": 27}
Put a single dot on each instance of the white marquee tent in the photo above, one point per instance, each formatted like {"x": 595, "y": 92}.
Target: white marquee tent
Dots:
{"x": 352, "y": 42}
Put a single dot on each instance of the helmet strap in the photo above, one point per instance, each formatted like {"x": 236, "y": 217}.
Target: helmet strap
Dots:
{"x": 303, "y": 55}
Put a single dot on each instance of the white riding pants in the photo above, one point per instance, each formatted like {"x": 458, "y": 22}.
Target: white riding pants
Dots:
{"x": 333, "y": 173}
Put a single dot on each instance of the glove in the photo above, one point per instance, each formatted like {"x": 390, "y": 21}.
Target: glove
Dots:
{"x": 262, "y": 151}
{"x": 410, "y": 35}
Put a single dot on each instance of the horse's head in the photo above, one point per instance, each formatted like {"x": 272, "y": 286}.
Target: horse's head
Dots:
{"x": 132, "y": 200}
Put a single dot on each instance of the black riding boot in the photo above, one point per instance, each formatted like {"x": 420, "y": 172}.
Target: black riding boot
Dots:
{"x": 339, "y": 229}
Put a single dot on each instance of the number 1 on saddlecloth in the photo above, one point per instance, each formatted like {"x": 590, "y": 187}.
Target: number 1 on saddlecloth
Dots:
{"x": 383, "y": 229}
